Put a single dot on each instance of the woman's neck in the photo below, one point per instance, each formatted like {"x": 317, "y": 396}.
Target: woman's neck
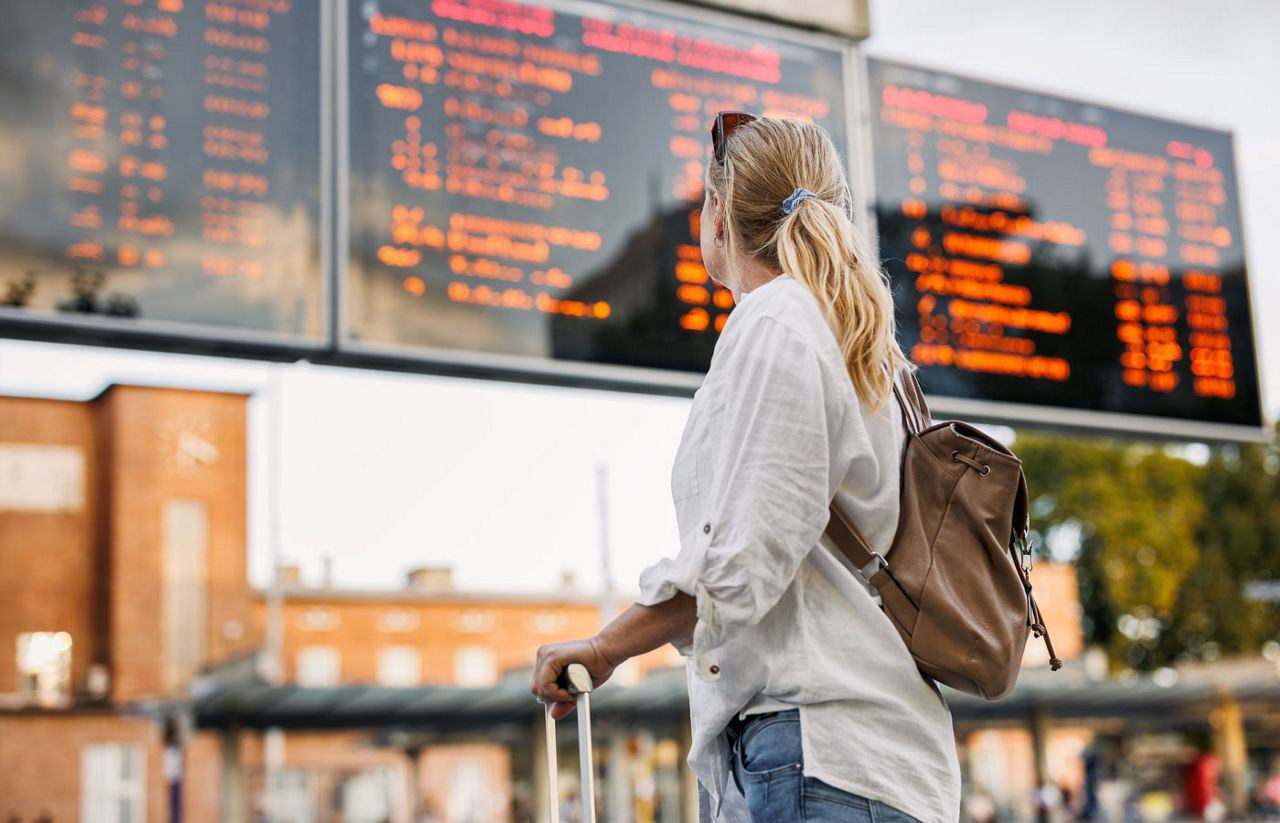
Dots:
{"x": 752, "y": 274}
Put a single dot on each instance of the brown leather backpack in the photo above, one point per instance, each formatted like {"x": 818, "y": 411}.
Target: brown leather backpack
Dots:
{"x": 955, "y": 584}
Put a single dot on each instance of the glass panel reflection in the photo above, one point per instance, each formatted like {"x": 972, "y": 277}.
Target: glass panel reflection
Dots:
{"x": 1063, "y": 254}
{"x": 162, "y": 163}
{"x": 528, "y": 182}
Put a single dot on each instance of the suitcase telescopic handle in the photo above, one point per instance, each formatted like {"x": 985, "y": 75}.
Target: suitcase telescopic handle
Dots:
{"x": 577, "y": 680}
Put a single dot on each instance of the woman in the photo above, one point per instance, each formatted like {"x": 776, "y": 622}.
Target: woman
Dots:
{"x": 803, "y": 698}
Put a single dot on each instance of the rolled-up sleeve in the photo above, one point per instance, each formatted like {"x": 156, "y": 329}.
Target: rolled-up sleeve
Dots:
{"x": 771, "y": 473}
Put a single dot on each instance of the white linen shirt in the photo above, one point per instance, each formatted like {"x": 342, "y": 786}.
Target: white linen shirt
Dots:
{"x": 774, "y": 433}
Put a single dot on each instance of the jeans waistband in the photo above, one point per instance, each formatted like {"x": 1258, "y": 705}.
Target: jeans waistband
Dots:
{"x": 738, "y": 725}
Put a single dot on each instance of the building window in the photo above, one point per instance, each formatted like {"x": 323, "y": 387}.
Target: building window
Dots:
{"x": 319, "y": 666}
{"x": 399, "y": 666}
{"x": 113, "y": 783}
{"x": 471, "y": 790}
{"x": 44, "y": 667}
{"x": 474, "y": 621}
{"x": 398, "y": 620}
{"x": 549, "y": 623}
{"x": 185, "y": 607}
{"x": 371, "y": 796}
{"x": 291, "y": 795}
{"x": 475, "y": 667}
{"x": 318, "y": 620}
{"x": 41, "y": 478}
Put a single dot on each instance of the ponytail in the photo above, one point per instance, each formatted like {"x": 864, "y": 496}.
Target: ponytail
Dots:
{"x": 818, "y": 245}
{"x": 813, "y": 240}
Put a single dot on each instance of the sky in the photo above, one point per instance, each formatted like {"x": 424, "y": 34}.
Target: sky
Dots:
{"x": 384, "y": 472}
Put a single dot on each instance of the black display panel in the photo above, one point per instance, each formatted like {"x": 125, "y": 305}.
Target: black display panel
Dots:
{"x": 161, "y": 168}
{"x": 1063, "y": 255}
{"x": 525, "y": 179}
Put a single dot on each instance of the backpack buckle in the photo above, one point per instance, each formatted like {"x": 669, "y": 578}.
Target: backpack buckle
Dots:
{"x": 866, "y": 572}
{"x": 877, "y": 563}
{"x": 1023, "y": 543}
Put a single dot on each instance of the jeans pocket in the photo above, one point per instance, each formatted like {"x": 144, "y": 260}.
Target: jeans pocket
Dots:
{"x": 884, "y": 813}
{"x": 770, "y": 745}
{"x": 826, "y": 804}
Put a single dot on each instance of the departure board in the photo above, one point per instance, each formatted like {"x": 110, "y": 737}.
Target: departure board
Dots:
{"x": 1062, "y": 255}
{"x": 160, "y": 163}
{"x": 525, "y": 179}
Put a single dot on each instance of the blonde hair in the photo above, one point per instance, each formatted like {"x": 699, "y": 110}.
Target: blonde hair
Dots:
{"x": 817, "y": 244}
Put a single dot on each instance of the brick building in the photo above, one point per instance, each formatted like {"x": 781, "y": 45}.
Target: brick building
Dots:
{"x": 122, "y": 534}
{"x": 123, "y": 539}
{"x": 425, "y": 635}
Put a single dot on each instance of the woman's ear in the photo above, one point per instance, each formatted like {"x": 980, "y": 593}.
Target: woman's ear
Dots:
{"x": 717, "y": 216}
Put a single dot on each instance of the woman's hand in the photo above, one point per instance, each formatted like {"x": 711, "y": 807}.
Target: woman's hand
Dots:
{"x": 553, "y": 659}
{"x": 637, "y": 630}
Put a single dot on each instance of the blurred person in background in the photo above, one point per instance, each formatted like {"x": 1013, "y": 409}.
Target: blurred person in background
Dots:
{"x": 1200, "y": 780}
{"x": 805, "y": 702}
{"x": 979, "y": 807}
{"x": 1266, "y": 796}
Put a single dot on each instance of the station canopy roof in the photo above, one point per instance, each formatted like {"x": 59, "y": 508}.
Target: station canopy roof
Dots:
{"x": 235, "y": 695}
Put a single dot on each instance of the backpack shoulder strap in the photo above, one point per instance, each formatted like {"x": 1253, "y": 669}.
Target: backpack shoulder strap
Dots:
{"x": 915, "y": 411}
{"x": 849, "y": 539}
{"x": 843, "y": 532}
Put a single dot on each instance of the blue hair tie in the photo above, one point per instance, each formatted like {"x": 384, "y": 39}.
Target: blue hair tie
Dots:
{"x": 797, "y": 197}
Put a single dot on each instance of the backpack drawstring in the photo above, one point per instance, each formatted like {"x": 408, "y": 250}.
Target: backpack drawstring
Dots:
{"x": 1036, "y": 621}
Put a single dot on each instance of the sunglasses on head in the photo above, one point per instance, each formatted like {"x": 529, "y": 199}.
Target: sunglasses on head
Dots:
{"x": 726, "y": 123}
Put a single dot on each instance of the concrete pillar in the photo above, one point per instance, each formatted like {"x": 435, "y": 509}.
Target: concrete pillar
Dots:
{"x": 273, "y": 758}
{"x": 235, "y": 801}
{"x": 1229, "y": 744}
{"x": 688, "y": 780}
{"x": 541, "y": 808}
{"x": 414, "y": 754}
{"x": 1041, "y": 725}
{"x": 643, "y": 783}
{"x": 618, "y": 783}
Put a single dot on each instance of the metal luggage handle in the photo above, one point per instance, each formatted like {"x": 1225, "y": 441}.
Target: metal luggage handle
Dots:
{"x": 576, "y": 679}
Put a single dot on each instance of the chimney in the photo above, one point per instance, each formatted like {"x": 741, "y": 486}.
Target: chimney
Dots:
{"x": 431, "y": 578}
{"x": 290, "y": 575}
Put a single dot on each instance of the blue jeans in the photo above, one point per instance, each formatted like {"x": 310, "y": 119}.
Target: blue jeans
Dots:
{"x": 768, "y": 765}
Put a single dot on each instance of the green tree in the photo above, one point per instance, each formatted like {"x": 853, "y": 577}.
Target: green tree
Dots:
{"x": 1239, "y": 539}
{"x": 1138, "y": 512}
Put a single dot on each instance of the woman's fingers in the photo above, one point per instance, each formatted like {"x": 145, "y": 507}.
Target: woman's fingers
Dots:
{"x": 551, "y": 662}
{"x": 551, "y": 693}
{"x": 552, "y": 659}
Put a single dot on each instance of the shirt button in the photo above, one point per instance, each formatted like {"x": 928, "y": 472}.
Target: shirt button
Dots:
{"x": 706, "y": 529}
